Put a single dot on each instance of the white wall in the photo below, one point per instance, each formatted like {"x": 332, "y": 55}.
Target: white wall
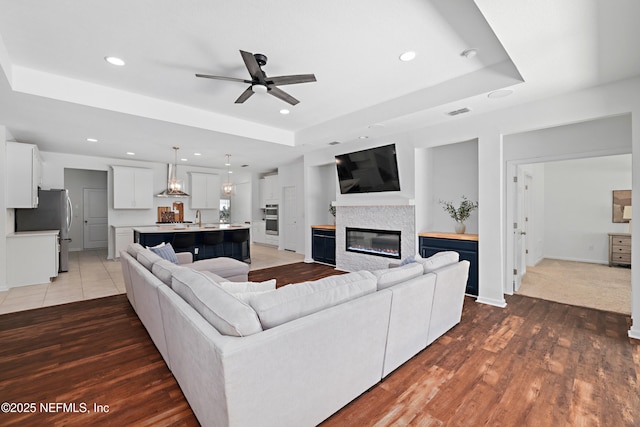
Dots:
{"x": 292, "y": 175}
{"x": 453, "y": 173}
{"x": 578, "y": 199}
{"x": 5, "y": 217}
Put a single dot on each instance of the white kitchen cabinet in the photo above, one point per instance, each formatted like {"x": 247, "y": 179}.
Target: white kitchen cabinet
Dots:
{"x": 258, "y": 229}
{"x": 132, "y": 188}
{"x": 270, "y": 190}
{"x": 32, "y": 257}
{"x": 24, "y": 171}
{"x": 271, "y": 239}
{"x": 123, "y": 238}
{"x": 205, "y": 190}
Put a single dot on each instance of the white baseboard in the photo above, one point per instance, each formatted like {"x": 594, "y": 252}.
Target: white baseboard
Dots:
{"x": 494, "y": 302}
{"x": 589, "y": 261}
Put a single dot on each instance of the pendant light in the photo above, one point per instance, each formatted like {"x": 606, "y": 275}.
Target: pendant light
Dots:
{"x": 228, "y": 187}
{"x": 174, "y": 185}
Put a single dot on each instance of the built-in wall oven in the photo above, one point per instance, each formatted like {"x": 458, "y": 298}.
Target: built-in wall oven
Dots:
{"x": 271, "y": 219}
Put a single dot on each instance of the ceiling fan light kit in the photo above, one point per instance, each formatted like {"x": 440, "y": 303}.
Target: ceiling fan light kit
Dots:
{"x": 260, "y": 82}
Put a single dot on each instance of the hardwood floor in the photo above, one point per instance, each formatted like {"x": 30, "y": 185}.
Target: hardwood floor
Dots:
{"x": 533, "y": 363}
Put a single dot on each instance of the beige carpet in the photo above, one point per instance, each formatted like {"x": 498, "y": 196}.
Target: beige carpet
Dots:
{"x": 578, "y": 283}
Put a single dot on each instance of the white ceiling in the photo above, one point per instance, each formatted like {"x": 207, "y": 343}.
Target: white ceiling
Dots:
{"x": 58, "y": 90}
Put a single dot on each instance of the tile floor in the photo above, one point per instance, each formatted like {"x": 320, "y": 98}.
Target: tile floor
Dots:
{"x": 92, "y": 275}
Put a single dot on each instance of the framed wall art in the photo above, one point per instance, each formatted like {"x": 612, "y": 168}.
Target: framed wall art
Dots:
{"x": 621, "y": 198}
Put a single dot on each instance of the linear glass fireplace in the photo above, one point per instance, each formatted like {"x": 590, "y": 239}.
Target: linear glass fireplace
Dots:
{"x": 385, "y": 243}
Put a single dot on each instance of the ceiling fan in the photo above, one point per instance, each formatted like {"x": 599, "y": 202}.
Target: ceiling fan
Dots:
{"x": 260, "y": 83}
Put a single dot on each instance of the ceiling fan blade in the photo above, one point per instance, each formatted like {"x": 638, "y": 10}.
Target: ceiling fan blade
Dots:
{"x": 231, "y": 79}
{"x": 252, "y": 66}
{"x": 244, "y": 96}
{"x": 280, "y": 94}
{"x": 290, "y": 80}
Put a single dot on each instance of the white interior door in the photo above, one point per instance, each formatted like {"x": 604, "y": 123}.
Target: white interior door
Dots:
{"x": 95, "y": 218}
{"x": 519, "y": 232}
{"x": 290, "y": 218}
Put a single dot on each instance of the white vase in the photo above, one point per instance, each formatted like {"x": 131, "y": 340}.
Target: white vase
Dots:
{"x": 460, "y": 227}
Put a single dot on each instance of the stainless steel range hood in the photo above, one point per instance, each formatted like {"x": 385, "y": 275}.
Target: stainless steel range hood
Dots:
{"x": 174, "y": 186}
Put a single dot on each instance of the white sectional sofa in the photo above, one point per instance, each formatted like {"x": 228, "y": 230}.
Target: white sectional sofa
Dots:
{"x": 295, "y": 355}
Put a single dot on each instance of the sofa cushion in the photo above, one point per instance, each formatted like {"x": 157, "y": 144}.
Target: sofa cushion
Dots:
{"x": 222, "y": 266}
{"x": 244, "y": 287}
{"x": 134, "y": 248}
{"x": 166, "y": 252}
{"x": 392, "y": 276}
{"x": 223, "y": 311}
{"x": 438, "y": 260}
{"x": 147, "y": 258}
{"x": 213, "y": 276}
{"x": 293, "y": 301}
{"x": 164, "y": 270}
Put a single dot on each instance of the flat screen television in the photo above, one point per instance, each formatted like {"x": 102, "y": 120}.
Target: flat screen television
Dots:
{"x": 368, "y": 171}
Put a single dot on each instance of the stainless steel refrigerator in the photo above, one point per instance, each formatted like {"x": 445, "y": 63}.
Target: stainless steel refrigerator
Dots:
{"x": 54, "y": 212}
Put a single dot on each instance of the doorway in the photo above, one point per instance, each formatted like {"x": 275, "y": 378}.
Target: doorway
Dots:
{"x": 562, "y": 217}
{"x": 96, "y": 202}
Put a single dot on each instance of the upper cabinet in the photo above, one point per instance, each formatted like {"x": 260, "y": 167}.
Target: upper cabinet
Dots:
{"x": 269, "y": 190}
{"x": 132, "y": 188}
{"x": 24, "y": 171}
{"x": 205, "y": 191}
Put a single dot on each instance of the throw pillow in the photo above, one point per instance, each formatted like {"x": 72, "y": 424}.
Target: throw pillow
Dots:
{"x": 245, "y": 287}
{"x": 408, "y": 260}
{"x": 156, "y": 246}
{"x": 166, "y": 252}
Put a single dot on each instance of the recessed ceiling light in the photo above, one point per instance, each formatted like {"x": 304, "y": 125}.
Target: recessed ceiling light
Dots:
{"x": 130, "y": 153}
{"x": 408, "y": 56}
{"x": 184, "y": 160}
{"x": 114, "y": 60}
{"x": 363, "y": 137}
{"x": 197, "y": 154}
{"x": 469, "y": 53}
{"x": 284, "y": 111}
{"x": 501, "y": 93}
{"x": 92, "y": 140}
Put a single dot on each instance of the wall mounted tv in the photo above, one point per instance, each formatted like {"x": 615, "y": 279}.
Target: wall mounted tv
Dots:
{"x": 368, "y": 171}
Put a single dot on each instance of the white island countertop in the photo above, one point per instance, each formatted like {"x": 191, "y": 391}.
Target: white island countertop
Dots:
{"x": 175, "y": 228}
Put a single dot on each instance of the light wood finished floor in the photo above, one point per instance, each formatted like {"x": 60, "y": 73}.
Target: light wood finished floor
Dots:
{"x": 534, "y": 363}
{"x": 579, "y": 283}
{"x": 91, "y": 275}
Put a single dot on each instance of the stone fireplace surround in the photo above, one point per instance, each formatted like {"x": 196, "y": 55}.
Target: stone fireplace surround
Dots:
{"x": 388, "y": 217}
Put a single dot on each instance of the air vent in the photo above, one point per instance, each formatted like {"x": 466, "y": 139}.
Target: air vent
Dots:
{"x": 334, "y": 143}
{"x": 460, "y": 111}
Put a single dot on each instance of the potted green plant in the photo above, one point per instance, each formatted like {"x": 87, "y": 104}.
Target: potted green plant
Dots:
{"x": 460, "y": 214}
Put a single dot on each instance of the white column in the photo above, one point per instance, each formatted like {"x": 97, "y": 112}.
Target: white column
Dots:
{"x": 491, "y": 225}
{"x": 634, "y": 332}
{"x": 4, "y": 217}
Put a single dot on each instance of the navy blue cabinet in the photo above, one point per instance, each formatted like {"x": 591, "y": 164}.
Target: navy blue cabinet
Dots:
{"x": 465, "y": 244}
{"x": 323, "y": 245}
{"x": 235, "y": 244}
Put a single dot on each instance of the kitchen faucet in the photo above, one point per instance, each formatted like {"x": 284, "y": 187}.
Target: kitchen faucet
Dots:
{"x": 199, "y": 218}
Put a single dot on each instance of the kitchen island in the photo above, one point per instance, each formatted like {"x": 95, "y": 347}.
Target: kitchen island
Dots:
{"x": 204, "y": 241}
